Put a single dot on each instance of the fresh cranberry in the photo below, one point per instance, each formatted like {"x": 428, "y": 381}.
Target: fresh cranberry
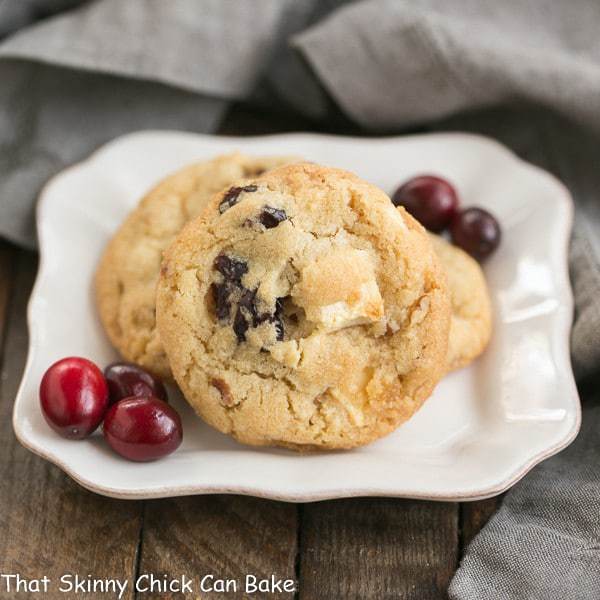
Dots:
{"x": 142, "y": 429}
{"x": 476, "y": 231}
{"x": 73, "y": 397}
{"x": 126, "y": 379}
{"x": 429, "y": 199}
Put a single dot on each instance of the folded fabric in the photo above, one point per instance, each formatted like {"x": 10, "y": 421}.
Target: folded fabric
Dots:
{"x": 544, "y": 542}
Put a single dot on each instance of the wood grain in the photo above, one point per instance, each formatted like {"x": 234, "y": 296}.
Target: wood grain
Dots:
{"x": 7, "y": 258}
{"x": 48, "y": 524}
{"x": 227, "y": 536}
{"x": 377, "y": 549}
{"x": 473, "y": 516}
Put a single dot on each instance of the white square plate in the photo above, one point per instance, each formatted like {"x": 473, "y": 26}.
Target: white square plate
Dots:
{"x": 482, "y": 430}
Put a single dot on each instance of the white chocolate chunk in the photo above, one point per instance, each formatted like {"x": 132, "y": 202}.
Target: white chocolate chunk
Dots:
{"x": 339, "y": 289}
{"x": 287, "y": 353}
{"x": 354, "y": 413}
{"x": 367, "y": 308}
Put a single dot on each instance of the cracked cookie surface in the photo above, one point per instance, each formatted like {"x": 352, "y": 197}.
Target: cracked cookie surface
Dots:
{"x": 303, "y": 310}
{"x": 128, "y": 271}
{"x": 471, "y": 321}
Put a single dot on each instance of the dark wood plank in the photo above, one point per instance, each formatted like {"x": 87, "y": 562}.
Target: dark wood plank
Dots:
{"x": 48, "y": 524}
{"x": 7, "y": 258}
{"x": 377, "y": 549}
{"x": 226, "y": 536}
{"x": 473, "y": 516}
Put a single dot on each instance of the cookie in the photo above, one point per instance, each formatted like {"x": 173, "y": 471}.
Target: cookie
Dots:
{"x": 301, "y": 309}
{"x": 471, "y": 322}
{"x": 127, "y": 274}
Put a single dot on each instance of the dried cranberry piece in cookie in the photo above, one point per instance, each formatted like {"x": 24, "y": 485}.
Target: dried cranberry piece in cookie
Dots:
{"x": 231, "y": 196}
{"x": 221, "y": 293}
{"x": 271, "y": 217}
{"x": 233, "y": 269}
{"x": 248, "y": 302}
{"x": 279, "y": 306}
{"x": 278, "y": 321}
{"x": 240, "y": 325}
{"x": 274, "y": 318}
{"x": 279, "y": 329}
{"x": 224, "y": 390}
{"x": 246, "y": 314}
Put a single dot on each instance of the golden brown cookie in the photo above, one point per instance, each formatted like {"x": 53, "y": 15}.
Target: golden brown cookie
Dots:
{"x": 128, "y": 271}
{"x": 301, "y": 309}
{"x": 471, "y": 322}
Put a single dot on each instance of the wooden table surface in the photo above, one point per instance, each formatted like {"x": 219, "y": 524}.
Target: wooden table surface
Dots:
{"x": 358, "y": 548}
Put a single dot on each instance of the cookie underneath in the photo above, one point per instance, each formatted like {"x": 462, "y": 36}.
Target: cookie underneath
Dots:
{"x": 471, "y": 322}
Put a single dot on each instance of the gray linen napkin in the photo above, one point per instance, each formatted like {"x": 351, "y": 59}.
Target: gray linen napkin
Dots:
{"x": 75, "y": 74}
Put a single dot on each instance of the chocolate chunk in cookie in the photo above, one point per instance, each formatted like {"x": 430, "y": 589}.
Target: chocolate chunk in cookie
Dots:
{"x": 271, "y": 217}
{"x": 220, "y": 295}
{"x": 233, "y": 269}
{"x": 232, "y": 196}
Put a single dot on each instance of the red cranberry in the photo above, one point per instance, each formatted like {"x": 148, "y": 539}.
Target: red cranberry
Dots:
{"x": 142, "y": 429}
{"x": 429, "y": 199}
{"x": 126, "y": 379}
{"x": 476, "y": 231}
{"x": 73, "y": 397}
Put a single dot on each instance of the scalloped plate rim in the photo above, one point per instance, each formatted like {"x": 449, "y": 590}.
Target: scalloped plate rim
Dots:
{"x": 276, "y": 493}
